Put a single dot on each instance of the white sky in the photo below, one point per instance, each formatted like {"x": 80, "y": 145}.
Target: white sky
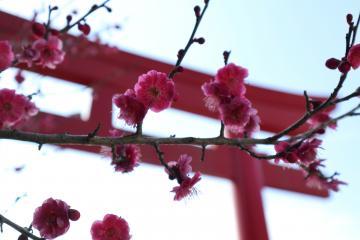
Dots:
{"x": 283, "y": 44}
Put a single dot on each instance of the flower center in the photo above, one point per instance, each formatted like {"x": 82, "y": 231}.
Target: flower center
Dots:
{"x": 47, "y": 53}
{"x": 154, "y": 91}
{"x": 7, "y": 107}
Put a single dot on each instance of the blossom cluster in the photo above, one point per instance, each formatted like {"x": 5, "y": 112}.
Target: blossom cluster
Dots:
{"x": 226, "y": 94}
{"x": 45, "y": 50}
{"x": 304, "y": 154}
{"x": 153, "y": 90}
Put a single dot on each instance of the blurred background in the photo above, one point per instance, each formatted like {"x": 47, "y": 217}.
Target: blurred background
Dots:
{"x": 283, "y": 43}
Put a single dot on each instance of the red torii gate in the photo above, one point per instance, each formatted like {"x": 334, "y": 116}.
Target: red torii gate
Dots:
{"x": 111, "y": 72}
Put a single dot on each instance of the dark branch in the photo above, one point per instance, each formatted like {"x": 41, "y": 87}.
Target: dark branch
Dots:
{"x": 4, "y": 220}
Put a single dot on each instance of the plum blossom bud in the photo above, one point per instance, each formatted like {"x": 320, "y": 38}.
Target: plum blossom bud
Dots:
{"x": 68, "y": 18}
{"x": 349, "y": 18}
{"x": 19, "y": 77}
{"x": 226, "y": 55}
{"x": 206, "y": 1}
{"x": 84, "y": 28}
{"x": 332, "y": 63}
{"x": 200, "y": 40}
{"x": 74, "y": 214}
{"x": 354, "y": 56}
{"x": 38, "y": 29}
{"x": 197, "y": 10}
{"x": 179, "y": 69}
{"x": 181, "y": 53}
{"x": 344, "y": 67}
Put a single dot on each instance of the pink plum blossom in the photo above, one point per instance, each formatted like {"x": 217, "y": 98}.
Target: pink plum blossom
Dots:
{"x": 111, "y": 227}
{"x": 52, "y": 218}
{"x": 307, "y": 152}
{"x": 50, "y": 51}
{"x": 181, "y": 167}
{"x": 125, "y": 156}
{"x": 253, "y": 125}
{"x": 354, "y": 56}
{"x": 6, "y": 55}
{"x": 235, "y": 114}
{"x": 155, "y": 90}
{"x": 186, "y": 188}
{"x": 233, "y": 77}
{"x": 285, "y": 153}
{"x": 180, "y": 170}
{"x": 316, "y": 181}
{"x": 215, "y": 94}
{"x": 28, "y": 55}
{"x": 14, "y": 108}
{"x": 320, "y": 118}
{"x": 131, "y": 109}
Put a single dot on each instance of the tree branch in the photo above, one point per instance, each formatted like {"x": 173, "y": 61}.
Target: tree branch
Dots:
{"x": 4, "y": 220}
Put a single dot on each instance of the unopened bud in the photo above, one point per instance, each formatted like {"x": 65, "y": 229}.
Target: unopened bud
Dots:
{"x": 332, "y": 63}
{"x": 84, "y": 28}
{"x": 38, "y": 29}
{"x": 54, "y": 32}
{"x": 320, "y": 131}
{"x": 108, "y": 9}
{"x": 54, "y": 8}
{"x": 73, "y": 214}
{"x": 179, "y": 69}
{"x": 197, "y": 10}
{"x": 206, "y": 1}
{"x": 68, "y": 18}
{"x": 180, "y": 53}
{"x": 349, "y": 18}
{"x": 344, "y": 67}
{"x": 200, "y": 40}
{"x": 226, "y": 55}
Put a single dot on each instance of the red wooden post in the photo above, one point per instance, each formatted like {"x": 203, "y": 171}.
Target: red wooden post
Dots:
{"x": 248, "y": 184}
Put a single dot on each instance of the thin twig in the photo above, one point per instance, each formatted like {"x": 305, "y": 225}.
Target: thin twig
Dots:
{"x": 95, "y": 132}
{"x": 307, "y": 102}
{"x": 161, "y": 158}
{"x": 92, "y": 9}
{"x": 203, "y": 150}
{"x": 355, "y": 31}
{"x": 189, "y": 43}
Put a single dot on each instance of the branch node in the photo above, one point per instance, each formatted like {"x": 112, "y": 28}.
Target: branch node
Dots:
{"x": 203, "y": 150}
{"x": 94, "y": 133}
